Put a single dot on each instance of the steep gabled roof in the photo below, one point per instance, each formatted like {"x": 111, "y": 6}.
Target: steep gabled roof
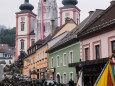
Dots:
{"x": 73, "y": 34}
{"x": 106, "y": 19}
{"x": 41, "y": 43}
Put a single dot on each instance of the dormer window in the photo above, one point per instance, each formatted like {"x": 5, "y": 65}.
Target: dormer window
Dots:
{"x": 32, "y": 41}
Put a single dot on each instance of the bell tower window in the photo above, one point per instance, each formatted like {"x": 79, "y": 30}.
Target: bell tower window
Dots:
{"x": 22, "y": 44}
{"x": 22, "y": 26}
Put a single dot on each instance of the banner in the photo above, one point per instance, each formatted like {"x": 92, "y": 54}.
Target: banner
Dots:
{"x": 106, "y": 78}
{"x": 79, "y": 83}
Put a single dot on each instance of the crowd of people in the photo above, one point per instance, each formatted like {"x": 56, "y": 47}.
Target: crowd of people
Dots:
{"x": 16, "y": 81}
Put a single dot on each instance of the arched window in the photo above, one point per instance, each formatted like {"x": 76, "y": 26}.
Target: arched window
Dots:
{"x": 32, "y": 41}
{"x": 58, "y": 61}
{"x": 22, "y": 44}
{"x": 22, "y": 26}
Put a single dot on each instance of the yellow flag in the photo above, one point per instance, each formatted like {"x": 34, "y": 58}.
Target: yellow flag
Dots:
{"x": 106, "y": 77}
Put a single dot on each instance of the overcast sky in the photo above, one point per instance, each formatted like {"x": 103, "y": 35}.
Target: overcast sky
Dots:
{"x": 8, "y": 8}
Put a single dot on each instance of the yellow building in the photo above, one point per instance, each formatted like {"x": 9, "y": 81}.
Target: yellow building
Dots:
{"x": 35, "y": 63}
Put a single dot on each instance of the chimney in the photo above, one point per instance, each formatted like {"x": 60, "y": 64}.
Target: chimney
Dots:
{"x": 112, "y": 2}
{"x": 67, "y": 19}
{"x": 91, "y": 12}
{"x": 52, "y": 28}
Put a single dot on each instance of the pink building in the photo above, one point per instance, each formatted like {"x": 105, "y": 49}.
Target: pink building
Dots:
{"x": 98, "y": 38}
{"x": 97, "y": 43}
{"x": 4, "y": 46}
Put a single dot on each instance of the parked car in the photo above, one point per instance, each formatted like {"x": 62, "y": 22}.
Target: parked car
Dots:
{"x": 47, "y": 82}
{"x": 26, "y": 78}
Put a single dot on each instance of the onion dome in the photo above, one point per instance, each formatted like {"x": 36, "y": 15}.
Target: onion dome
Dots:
{"x": 69, "y": 2}
{"x": 26, "y": 6}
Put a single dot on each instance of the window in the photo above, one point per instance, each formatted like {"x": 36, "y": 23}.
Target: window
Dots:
{"x": 86, "y": 53}
{"x": 22, "y": 44}
{"x": 97, "y": 51}
{"x": 64, "y": 59}
{"x": 36, "y": 46}
{"x": 113, "y": 46}
{"x": 5, "y": 55}
{"x": 52, "y": 62}
{"x": 43, "y": 54}
{"x": 32, "y": 41}
{"x": 58, "y": 61}
{"x": 71, "y": 57}
{"x": 71, "y": 75}
{"x": 38, "y": 55}
{"x": 22, "y": 26}
{"x": 9, "y": 62}
{"x": 34, "y": 60}
{"x": 65, "y": 78}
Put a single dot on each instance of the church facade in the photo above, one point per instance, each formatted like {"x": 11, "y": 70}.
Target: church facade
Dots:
{"x": 30, "y": 27}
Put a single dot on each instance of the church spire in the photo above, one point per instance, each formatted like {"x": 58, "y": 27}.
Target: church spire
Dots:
{"x": 69, "y": 2}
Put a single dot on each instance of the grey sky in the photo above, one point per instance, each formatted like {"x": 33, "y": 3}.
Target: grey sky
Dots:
{"x": 8, "y": 8}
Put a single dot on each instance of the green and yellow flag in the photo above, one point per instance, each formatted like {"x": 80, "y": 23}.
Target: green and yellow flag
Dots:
{"x": 106, "y": 77}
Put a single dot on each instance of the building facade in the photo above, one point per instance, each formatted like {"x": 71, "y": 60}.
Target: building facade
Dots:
{"x": 97, "y": 42}
{"x": 58, "y": 63}
{"x": 7, "y": 55}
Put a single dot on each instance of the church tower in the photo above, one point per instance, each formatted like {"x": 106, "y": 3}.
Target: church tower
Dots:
{"x": 69, "y": 10}
{"x": 47, "y": 11}
{"x": 25, "y": 26}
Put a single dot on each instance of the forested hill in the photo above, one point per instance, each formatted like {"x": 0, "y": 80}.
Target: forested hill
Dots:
{"x": 7, "y": 36}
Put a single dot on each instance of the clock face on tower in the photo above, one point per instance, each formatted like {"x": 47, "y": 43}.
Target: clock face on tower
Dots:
{"x": 22, "y": 19}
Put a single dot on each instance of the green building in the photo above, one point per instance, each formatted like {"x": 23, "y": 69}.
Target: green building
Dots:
{"x": 63, "y": 53}
{"x": 67, "y": 51}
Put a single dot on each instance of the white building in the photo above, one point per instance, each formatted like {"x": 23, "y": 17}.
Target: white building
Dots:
{"x": 6, "y": 57}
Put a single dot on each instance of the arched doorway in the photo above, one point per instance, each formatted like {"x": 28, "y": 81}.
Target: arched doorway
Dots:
{"x": 58, "y": 78}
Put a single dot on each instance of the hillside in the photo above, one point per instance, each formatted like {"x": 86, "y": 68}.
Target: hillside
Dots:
{"x": 2, "y": 27}
{"x": 7, "y": 36}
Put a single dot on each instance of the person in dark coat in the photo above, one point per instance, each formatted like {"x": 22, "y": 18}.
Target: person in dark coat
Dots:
{"x": 71, "y": 82}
